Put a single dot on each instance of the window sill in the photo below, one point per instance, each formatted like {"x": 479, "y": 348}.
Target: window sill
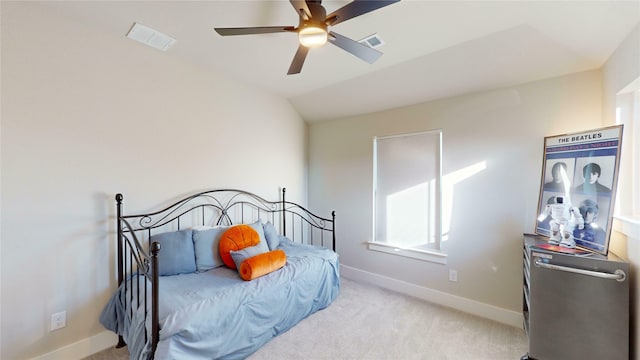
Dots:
{"x": 425, "y": 255}
{"x": 627, "y": 225}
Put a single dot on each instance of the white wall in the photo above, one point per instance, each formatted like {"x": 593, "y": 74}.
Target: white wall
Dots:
{"x": 622, "y": 67}
{"x": 503, "y": 129}
{"x": 86, "y": 115}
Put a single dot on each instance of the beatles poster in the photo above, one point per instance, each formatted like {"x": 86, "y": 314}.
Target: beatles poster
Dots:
{"x": 582, "y": 168}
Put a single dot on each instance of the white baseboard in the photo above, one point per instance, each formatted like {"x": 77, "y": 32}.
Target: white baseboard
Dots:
{"x": 477, "y": 308}
{"x": 82, "y": 348}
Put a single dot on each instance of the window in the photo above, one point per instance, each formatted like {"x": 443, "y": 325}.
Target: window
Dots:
{"x": 407, "y": 195}
{"x": 628, "y": 114}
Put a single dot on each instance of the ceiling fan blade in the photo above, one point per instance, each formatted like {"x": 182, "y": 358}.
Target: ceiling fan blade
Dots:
{"x": 301, "y": 8}
{"x": 356, "y": 8}
{"x": 298, "y": 60}
{"x": 362, "y": 51}
{"x": 253, "y": 30}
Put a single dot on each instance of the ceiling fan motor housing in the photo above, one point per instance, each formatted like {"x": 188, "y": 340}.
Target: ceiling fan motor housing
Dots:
{"x": 318, "y": 16}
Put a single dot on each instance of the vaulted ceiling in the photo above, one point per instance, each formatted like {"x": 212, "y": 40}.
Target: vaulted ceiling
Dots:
{"x": 432, "y": 49}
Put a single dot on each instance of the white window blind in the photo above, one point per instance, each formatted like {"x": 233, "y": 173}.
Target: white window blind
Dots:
{"x": 407, "y": 191}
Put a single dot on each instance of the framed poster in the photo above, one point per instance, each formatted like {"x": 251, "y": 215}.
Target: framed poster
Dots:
{"x": 582, "y": 168}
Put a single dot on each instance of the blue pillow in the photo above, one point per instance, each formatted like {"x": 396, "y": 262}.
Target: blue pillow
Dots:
{"x": 206, "y": 245}
{"x": 257, "y": 226}
{"x": 271, "y": 235}
{"x": 241, "y": 255}
{"x": 177, "y": 254}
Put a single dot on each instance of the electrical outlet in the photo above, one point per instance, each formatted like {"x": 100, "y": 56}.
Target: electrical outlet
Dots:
{"x": 58, "y": 320}
{"x": 453, "y": 275}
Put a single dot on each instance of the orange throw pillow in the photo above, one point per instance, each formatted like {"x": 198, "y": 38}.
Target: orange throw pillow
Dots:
{"x": 236, "y": 238}
{"x": 262, "y": 264}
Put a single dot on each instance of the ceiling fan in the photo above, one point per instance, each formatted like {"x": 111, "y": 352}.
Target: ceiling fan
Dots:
{"x": 313, "y": 29}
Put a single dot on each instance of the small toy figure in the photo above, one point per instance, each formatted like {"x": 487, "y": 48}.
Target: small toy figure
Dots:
{"x": 564, "y": 218}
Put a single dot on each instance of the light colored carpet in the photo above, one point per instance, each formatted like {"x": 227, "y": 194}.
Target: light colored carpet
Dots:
{"x": 367, "y": 322}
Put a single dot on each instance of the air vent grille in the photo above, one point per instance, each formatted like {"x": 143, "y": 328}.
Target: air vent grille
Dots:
{"x": 150, "y": 37}
{"x": 372, "y": 41}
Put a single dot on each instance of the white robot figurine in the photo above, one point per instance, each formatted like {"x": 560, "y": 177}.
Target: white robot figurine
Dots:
{"x": 564, "y": 218}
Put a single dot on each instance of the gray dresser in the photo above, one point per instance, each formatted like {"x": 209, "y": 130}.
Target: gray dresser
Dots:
{"x": 575, "y": 307}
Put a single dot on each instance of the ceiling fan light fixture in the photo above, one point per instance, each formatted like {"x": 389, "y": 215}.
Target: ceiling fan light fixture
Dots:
{"x": 313, "y": 30}
{"x": 312, "y": 36}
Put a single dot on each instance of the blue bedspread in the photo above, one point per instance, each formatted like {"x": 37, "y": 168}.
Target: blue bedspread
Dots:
{"x": 217, "y": 315}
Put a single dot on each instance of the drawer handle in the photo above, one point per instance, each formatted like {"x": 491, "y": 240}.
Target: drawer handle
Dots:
{"x": 618, "y": 275}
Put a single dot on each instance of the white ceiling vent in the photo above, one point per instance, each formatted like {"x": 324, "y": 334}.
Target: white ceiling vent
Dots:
{"x": 150, "y": 37}
{"x": 373, "y": 41}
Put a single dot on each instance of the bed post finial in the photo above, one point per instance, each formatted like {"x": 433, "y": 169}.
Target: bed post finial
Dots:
{"x": 119, "y": 239}
{"x": 283, "y": 213}
{"x": 120, "y": 255}
{"x": 155, "y": 295}
{"x": 333, "y": 231}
